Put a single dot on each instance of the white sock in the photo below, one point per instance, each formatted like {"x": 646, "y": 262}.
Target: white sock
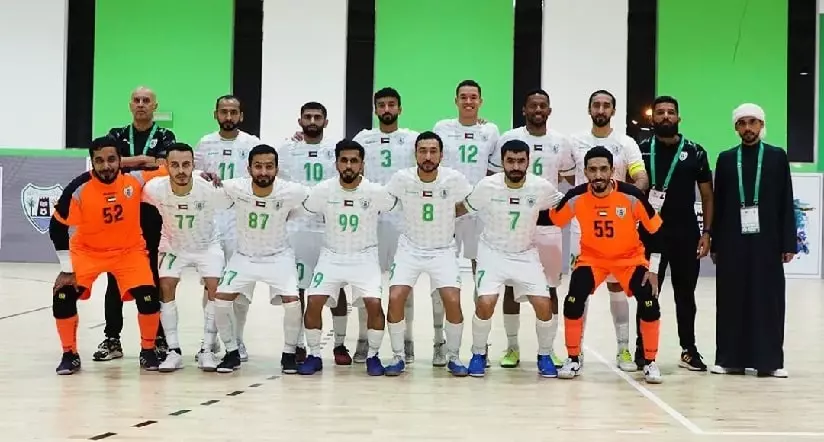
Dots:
{"x": 168, "y": 318}
{"x": 205, "y": 298}
{"x": 362, "y": 317}
{"x": 241, "y": 307}
{"x": 409, "y": 316}
{"x": 396, "y": 337}
{"x": 375, "y": 339}
{"x": 339, "y": 324}
{"x": 543, "y": 329}
{"x": 291, "y": 325}
{"x": 454, "y": 334}
{"x": 313, "y": 341}
{"x": 437, "y": 317}
{"x": 619, "y": 307}
{"x": 301, "y": 332}
{"x": 553, "y": 329}
{"x": 480, "y": 334}
{"x": 512, "y": 322}
{"x": 223, "y": 320}
{"x": 209, "y": 327}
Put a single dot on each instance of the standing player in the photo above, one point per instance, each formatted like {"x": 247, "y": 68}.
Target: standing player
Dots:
{"x": 428, "y": 195}
{"x": 469, "y": 148}
{"x": 104, "y": 207}
{"x": 189, "y": 238}
{"x": 628, "y": 164}
{"x": 388, "y": 150}
{"x": 351, "y": 205}
{"x": 261, "y": 206}
{"x": 608, "y": 211}
{"x": 509, "y": 204}
{"x": 551, "y": 154}
{"x": 309, "y": 161}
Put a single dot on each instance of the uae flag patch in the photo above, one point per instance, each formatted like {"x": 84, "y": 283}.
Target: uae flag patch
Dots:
{"x": 515, "y": 201}
{"x": 538, "y": 148}
{"x": 469, "y": 136}
{"x": 385, "y": 140}
{"x": 182, "y": 207}
{"x": 227, "y": 152}
{"x": 426, "y": 194}
{"x": 313, "y": 154}
{"x": 111, "y": 199}
{"x": 260, "y": 203}
{"x": 348, "y": 203}
{"x": 602, "y": 213}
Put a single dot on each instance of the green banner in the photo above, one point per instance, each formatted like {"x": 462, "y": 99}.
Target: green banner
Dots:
{"x": 181, "y": 49}
{"x": 424, "y": 48}
{"x": 715, "y": 55}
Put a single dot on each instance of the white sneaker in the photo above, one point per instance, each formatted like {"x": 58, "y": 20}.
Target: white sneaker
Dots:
{"x": 409, "y": 350}
{"x": 625, "y": 362}
{"x": 780, "y": 373}
{"x": 438, "y": 355}
{"x": 361, "y": 351}
{"x": 244, "y": 355}
{"x": 570, "y": 369}
{"x": 652, "y": 374}
{"x": 207, "y": 361}
{"x": 717, "y": 369}
{"x": 173, "y": 361}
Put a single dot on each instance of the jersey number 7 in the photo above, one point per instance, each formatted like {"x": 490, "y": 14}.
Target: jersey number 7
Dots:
{"x": 113, "y": 214}
{"x": 604, "y": 229}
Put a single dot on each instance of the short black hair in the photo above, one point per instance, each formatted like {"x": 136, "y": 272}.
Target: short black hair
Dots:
{"x": 313, "y": 105}
{"x": 347, "y": 144}
{"x": 101, "y": 142}
{"x": 468, "y": 83}
{"x": 536, "y": 92}
{"x": 600, "y": 92}
{"x": 387, "y": 92}
{"x": 227, "y": 98}
{"x": 180, "y": 147}
{"x": 598, "y": 152}
{"x": 262, "y": 149}
{"x": 666, "y": 99}
{"x": 429, "y": 135}
{"x": 514, "y": 146}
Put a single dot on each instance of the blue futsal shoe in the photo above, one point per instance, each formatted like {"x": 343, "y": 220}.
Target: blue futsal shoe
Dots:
{"x": 374, "y": 366}
{"x": 311, "y": 365}
{"x": 477, "y": 365}
{"x": 397, "y": 367}
{"x": 457, "y": 368}
{"x": 546, "y": 366}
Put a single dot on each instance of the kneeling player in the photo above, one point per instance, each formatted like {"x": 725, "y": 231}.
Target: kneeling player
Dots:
{"x": 104, "y": 206}
{"x": 188, "y": 205}
{"x": 608, "y": 212}
{"x": 351, "y": 205}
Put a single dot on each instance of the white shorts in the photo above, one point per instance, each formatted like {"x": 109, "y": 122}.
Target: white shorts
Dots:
{"x": 277, "y": 271}
{"x": 549, "y": 241}
{"x": 360, "y": 271}
{"x": 388, "y": 234}
{"x": 307, "y": 247}
{"x": 441, "y": 266}
{"x": 208, "y": 263}
{"x": 467, "y": 234}
{"x": 575, "y": 248}
{"x": 522, "y": 271}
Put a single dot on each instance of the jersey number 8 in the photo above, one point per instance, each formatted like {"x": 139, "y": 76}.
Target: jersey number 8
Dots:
{"x": 113, "y": 214}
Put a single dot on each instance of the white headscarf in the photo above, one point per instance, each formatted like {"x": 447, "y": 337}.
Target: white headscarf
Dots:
{"x": 750, "y": 110}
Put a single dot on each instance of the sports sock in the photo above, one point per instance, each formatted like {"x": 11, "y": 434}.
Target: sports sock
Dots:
{"x": 339, "y": 324}
{"x": 649, "y": 333}
{"x": 409, "y": 316}
{"x": 209, "y": 327}
{"x": 148, "y": 324}
{"x": 619, "y": 307}
{"x": 396, "y": 337}
{"x": 301, "y": 333}
{"x": 454, "y": 334}
{"x": 374, "y": 338}
{"x": 313, "y": 341}
{"x": 362, "y": 316}
{"x": 553, "y": 329}
{"x": 67, "y": 330}
{"x": 437, "y": 317}
{"x": 241, "y": 309}
{"x": 572, "y": 333}
{"x": 223, "y": 321}
{"x": 480, "y": 334}
{"x": 168, "y": 318}
{"x": 511, "y": 325}
{"x": 543, "y": 330}
{"x": 291, "y": 325}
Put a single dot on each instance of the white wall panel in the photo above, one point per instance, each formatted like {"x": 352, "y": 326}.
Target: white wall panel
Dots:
{"x": 33, "y": 74}
{"x": 304, "y": 59}
{"x": 584, "y": 50}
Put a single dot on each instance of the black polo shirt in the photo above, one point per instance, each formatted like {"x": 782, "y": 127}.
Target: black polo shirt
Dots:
{"x": 691, "y": 168}
{"x": 156, "y": 147}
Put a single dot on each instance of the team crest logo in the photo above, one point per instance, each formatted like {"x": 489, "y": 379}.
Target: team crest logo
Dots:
{"x": 530, "y": 201}
{"x": 330, "y": 154}
{"x": 128, "y": 191}
{"x": 555, "y": 148}
{"x": 38, "y": 204}
{"x": 444, "y": 193}
{"x": 364, "y": 204}
{"x": 621, "y": 211}
{"x": 683, "y": 156}
{"x": 153, "y": 143}
{"x": 278, "y": 205}
{"x": 200, "y": 205}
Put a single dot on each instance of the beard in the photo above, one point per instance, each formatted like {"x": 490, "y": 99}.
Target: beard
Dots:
{"x": 182, "y": 179}
{"x": 514, "y": 176}
{"x": 749, "y": 137}
{"x": 600, "y": 120}
{"x": 387, "y": 118}
{"x": 106, "y": 176}
{"x": 536, "y": 119}
{"x": 665, "y": 130}
{"x": 427, "y": 166}
{"x": 263, "y": 181}
{"x": 312, "y": 131}
{"x": 348, "y": 176}
{"x": 228, "y": 126}
{"x": 599, "y": 185}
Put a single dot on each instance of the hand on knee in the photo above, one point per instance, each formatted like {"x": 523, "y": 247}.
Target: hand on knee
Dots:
{"x": 649, "y": 309}
{"x": 147, "y": 299}
{"x": 64, "y": 303}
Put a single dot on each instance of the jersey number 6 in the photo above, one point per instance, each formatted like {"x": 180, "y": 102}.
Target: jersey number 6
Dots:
{"x": 113, "y": 214}
{"x": 604, "y": 229}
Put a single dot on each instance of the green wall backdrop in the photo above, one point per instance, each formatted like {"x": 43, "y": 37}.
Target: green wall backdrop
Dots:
{"x": 714, "y": 55}
{"x": 161, "y": 44}
{"x": 424, "y": 48}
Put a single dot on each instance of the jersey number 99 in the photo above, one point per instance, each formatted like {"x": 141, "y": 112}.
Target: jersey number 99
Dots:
{"x": 113, "y": 214}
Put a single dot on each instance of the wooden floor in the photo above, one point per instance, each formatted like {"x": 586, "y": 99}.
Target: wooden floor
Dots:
{"x": 116, "y": 401}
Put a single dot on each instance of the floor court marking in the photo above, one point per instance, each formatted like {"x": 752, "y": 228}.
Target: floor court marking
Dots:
{"x": 325, "y": 340}
{"x": 647, "y": 393}
{"x": 14, "y": 315}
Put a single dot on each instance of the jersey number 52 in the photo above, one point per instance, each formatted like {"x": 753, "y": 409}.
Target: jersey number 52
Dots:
{"x": 113, "y": 214}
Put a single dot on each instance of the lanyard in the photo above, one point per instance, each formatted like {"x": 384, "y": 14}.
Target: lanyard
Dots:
{"x": 757, "y": 176}
{"x": 148, "y": 140}
{"x": 672, "y": 165}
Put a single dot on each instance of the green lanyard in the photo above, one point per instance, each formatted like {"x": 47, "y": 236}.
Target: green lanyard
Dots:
{"x": 672, "y": 166}
{"x": 148, "y": 140}
{"x": 757, "y": 176}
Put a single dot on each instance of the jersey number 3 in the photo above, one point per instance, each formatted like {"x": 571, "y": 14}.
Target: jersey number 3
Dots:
{"x": 603, "y": 229}
{"x": 113, "y": 214}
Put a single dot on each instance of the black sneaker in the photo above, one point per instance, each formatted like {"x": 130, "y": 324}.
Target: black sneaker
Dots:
{"x": 230, "y": 363}
{"x": 300, "y": 354}
{"x": 148, "y": 360}
{"x": 640, "y": 360}
{"x": 289, "y": 363}
{"x": 161, "y": 348}
{"x": 70, "y": 364}
{"x": 691, "y": 360}
{"x": 109, "y": 349}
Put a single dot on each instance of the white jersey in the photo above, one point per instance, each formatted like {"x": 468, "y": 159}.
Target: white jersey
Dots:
{"x": 471, "y": 150}
{"x": 261, "y": 221}
{"x": 351, "y": 215}
{"x": 309, "y": 165}
{"x": 429, "y": 208}
{"x": 189, "y": 220}
{"x": 226, "y": 158}
{"x": 625, "y": 153}
{"x": 551, "y": 154}
{"x": 509, "y": 215}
